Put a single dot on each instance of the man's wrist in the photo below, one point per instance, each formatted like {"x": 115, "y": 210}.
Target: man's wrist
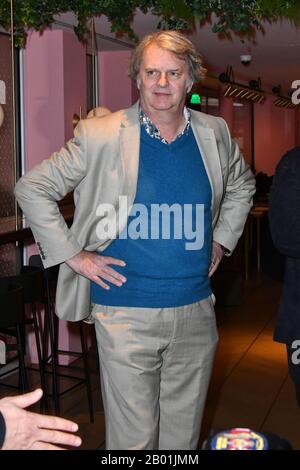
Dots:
{"x": 225, "y": 250}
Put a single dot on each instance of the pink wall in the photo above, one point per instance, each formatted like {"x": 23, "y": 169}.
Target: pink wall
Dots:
{"x": 226, "y": 110}
{"x": 116, "y": 88}
{"x": 75, "y": 80}
{"x": 276, "y": 131}
{"x": 43, "y": 96}
{"x": 274, "y": 134}
{"x": 54, "y": 89}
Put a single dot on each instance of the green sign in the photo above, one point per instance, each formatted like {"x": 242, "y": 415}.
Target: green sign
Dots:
{"x": 195, "y": 99}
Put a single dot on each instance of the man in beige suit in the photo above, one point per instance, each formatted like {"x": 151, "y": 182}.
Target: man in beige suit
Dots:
{"x": 143, "y": 179}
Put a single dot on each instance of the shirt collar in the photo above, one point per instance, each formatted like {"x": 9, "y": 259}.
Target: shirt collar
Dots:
{"x": 152, "y": 130}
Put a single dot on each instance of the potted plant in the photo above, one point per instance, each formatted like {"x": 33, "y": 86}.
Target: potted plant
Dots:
{"x": 229, "y": 15}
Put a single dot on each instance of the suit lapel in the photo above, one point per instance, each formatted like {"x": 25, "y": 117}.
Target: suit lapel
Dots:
{"x": 129, "y": 152}
{"x": 129, "y": 149}
{"x": 207, "y": 144}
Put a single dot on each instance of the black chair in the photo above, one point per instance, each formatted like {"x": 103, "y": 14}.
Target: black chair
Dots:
{"x": 11, "y": 324}
{"x": 51, "y": 332}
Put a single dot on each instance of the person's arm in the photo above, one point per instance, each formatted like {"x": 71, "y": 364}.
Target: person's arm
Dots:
{"x": 23, "y": 430}
{"x": 37, "y": 193}
{"x": 39, "y": 190}
{"x": 284, "y": 208}
{"x": 237, "y": 200}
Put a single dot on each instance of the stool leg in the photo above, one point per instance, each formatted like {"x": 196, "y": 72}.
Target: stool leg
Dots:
{"x": 23, "y": 374}
{"x": 86, "y": 372}
{"x": 55, "y": 333}
{"x": 247, "y": 250}
{"x": 258, "y": 243}
{"x": 53, "y": 351}
{"x": 40, "y": 358}
{"x": 45, "y": 340}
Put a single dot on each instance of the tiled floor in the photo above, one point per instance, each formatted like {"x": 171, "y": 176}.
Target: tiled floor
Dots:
{"x": 250, "y": 386}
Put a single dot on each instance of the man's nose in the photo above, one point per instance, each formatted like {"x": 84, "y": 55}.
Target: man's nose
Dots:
{"x": 163, "y": 79}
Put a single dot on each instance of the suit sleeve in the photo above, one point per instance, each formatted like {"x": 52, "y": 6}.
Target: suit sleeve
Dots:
{"x": 237, "y": 199}
{"x": 40, "y": 189}
{"x": 284, "y": 213}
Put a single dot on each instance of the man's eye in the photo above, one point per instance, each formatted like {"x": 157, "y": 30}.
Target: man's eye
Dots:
{"x": 174, "y": 74}
{"x": 151, "y": 73}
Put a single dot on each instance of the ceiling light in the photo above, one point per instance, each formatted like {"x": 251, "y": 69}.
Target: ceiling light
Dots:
{"x": 282, "y": 101}
{"x": 252, "y": 93}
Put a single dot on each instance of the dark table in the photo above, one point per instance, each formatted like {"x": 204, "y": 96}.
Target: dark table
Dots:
{"x": 9, "y": 233}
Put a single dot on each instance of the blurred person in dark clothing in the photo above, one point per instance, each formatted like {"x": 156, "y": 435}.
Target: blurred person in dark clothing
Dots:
{"x": 284, "y": 216}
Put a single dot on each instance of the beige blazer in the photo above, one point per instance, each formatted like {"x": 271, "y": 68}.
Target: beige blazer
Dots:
{"x": 101, "y": 163}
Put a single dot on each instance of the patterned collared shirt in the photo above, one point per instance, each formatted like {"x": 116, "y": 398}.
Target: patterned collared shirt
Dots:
{"x": 152, "y": 130}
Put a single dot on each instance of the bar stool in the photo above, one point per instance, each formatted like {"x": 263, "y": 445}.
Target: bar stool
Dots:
{"x": 254, "y": 224}
{"x": 51, "y": 332}
{"x": 11, "y": 323}
{"x": 32, "y": 281}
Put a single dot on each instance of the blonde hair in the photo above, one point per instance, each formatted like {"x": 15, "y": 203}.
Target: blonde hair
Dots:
{"x": 175, "y": 42}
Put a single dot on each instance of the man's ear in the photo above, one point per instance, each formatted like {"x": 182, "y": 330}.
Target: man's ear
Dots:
{"x": 138, "y": 82}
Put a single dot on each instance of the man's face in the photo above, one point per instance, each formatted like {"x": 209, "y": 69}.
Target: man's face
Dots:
{"x": 163, "y": 80}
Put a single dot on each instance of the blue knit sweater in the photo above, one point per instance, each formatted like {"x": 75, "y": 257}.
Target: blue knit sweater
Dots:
{"x": 167, "y": 248}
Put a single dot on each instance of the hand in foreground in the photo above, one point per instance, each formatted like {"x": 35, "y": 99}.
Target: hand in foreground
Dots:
{"x": 33, "y": 431}
{"x": 96, "y": 268}
{"x": 216, "y": 257}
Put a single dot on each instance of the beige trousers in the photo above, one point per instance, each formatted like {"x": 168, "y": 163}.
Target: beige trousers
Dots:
{"x": 155, "y": 368}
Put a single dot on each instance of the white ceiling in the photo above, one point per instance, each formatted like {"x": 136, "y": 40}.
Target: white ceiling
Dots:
{"x": 275, "y": 52}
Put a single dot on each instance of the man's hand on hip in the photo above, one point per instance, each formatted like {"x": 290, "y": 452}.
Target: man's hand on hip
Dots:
{"x": 216, "y": 257}
{"x": 96, "y": 268}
